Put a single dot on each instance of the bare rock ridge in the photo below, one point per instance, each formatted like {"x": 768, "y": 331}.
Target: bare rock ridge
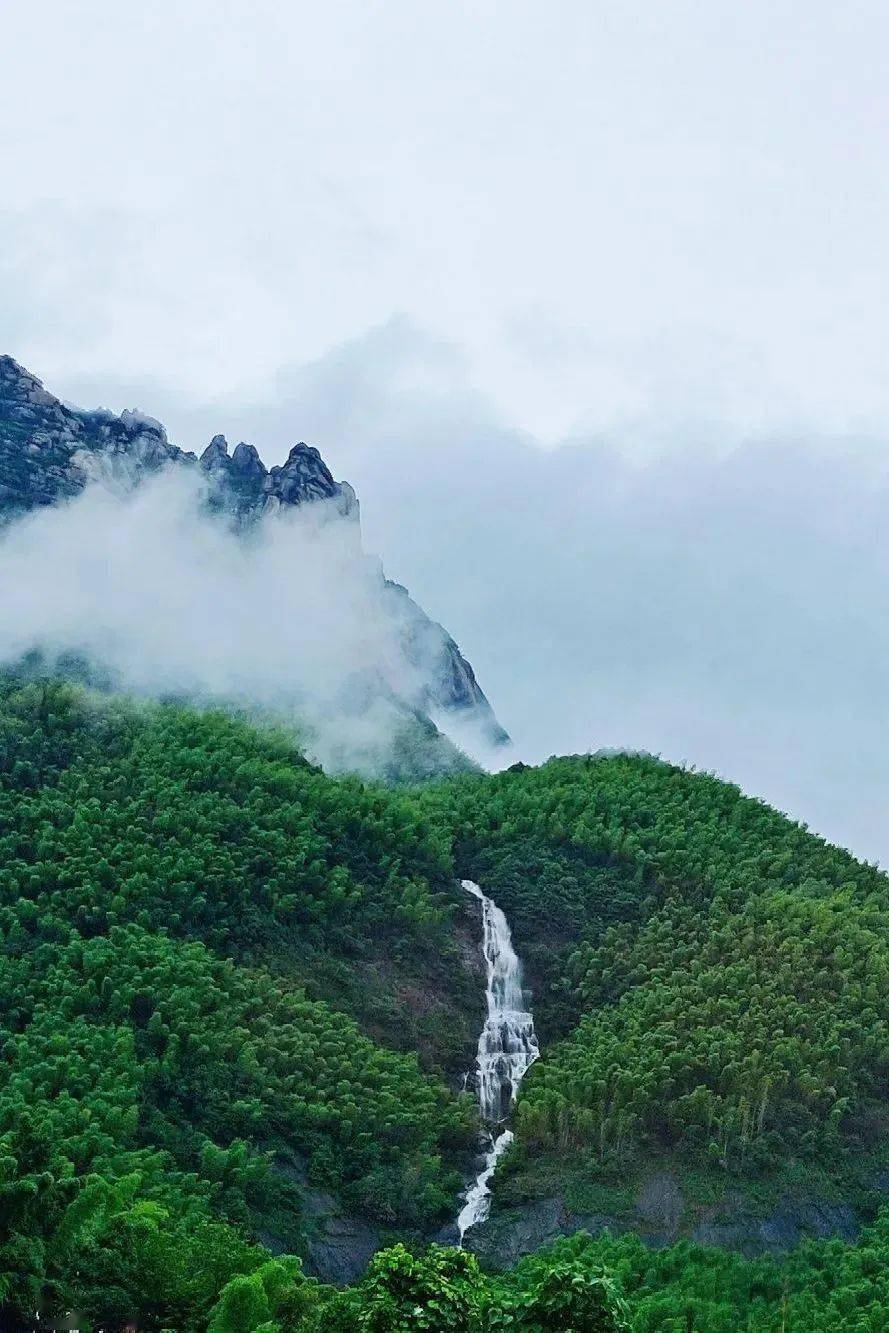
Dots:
{"x": 243, "y": 484}
{"x": 49, "y": 452}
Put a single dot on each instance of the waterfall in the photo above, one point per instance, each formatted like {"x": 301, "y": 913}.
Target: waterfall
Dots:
{"x": 507, "y": 1047}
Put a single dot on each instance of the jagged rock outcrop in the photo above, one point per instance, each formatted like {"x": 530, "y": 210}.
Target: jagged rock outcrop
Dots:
{"x": 242, "y": 484}
{"x": 49, "y": 452}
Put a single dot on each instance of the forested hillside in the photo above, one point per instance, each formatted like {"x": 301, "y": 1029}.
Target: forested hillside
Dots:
{"x": 229, "y": 982}
{"x": 710, "y": 981}
{"x": 172, "y": 887}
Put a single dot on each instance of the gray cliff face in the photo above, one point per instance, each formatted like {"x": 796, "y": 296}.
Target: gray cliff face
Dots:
{"x": 241, "y": 483}
{"x": 660, "y": 1214}
{"x": 451, "y": 683}
{"x": 49, "y": 452}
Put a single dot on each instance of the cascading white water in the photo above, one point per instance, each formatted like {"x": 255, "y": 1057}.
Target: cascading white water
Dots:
{"x": 507, "y": 1047}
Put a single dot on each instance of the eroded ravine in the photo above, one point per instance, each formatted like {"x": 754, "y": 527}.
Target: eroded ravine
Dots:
{"x": 507, "y": 1047}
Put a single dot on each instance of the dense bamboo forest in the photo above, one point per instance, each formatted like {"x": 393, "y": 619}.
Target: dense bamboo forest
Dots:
{"x": 231, "y": 983}
{"x": 710, "y": 977}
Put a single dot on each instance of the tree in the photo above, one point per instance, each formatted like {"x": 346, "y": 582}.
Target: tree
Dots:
{"x": 406, "y": 1293}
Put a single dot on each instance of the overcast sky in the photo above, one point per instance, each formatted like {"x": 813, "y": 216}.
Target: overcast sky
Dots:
{"x": 588, "y": 300}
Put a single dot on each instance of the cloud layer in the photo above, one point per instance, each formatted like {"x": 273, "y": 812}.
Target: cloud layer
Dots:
{"x": 654, "y": 232}
{"x": 291, "y": 618}
{"x": 635, "y": 203}
{"x": 716, "y": 598}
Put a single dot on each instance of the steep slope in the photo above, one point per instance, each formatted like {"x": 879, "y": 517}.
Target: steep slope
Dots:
{"x": 231, "y": 986}
{"x": 237, "y": 995}
{"x": 50, "y": 452}
{"x": 710, "y": 990}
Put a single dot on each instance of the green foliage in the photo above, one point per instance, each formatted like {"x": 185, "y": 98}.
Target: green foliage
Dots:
{"x": 211, "y": 829}
{"x": 585, "y": 1285}
{"x": 161, "y": 873}
{"x": 822, "y": 1287}
{"x": 723, "y": 989}
{"x": 443, "y": 1290}
{"x": 402, "y": 1292}
{"x": 243, "y": 1306}
{"x": 225, "y": 976}
{"x": 559, "y": 1295}
{"x": 158, "y": 1269}
{"x": 247, "y": 1302}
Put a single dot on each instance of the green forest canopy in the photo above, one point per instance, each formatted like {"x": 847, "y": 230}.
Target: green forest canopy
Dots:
{"x": 225, "y": 974}
{"x": 708, "y": 977}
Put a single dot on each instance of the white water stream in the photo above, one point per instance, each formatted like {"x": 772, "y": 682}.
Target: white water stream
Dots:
{"x": 507, "y": 1047}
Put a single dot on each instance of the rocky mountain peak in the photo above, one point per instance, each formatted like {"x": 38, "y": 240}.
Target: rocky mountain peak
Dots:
{"x": 27, "y": 405}
{"x": 246, "y": 460}
{"x": 306, "y": 477}
{"x": 49, "y": 452}
{"x": 137, "y": 423}
{"x": 215, "y": 457}
{"x": 19, "y": 383}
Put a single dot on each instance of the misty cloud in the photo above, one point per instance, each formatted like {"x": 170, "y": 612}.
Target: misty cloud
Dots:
{"x": 714, "y": 598}
{"x": 289, "y": 618}
{"x": 438, "y": 248}
{"x": 600, "y": 209}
